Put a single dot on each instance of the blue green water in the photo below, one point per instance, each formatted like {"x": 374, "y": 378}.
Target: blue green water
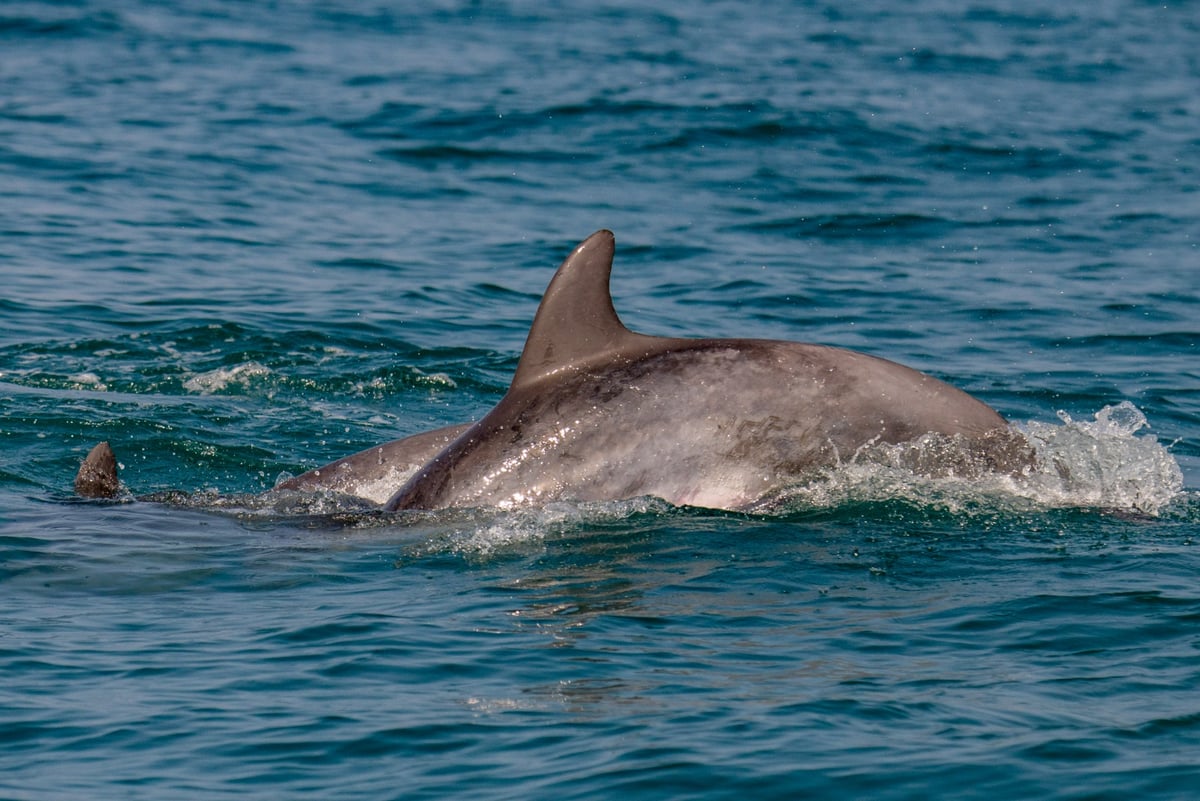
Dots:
{"x": 238, "y": 240}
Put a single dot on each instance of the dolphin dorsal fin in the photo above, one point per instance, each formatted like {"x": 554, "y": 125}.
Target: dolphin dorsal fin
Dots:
{"x": 575, "y": 322}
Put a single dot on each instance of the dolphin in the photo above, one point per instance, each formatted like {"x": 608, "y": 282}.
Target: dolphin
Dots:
{"x": 598, "y": 412}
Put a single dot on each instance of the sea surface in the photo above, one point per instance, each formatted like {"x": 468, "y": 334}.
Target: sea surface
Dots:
{"x": 239, "y": 240}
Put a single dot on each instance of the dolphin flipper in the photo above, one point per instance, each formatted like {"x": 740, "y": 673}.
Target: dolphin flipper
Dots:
{"x": 97, "y": 476}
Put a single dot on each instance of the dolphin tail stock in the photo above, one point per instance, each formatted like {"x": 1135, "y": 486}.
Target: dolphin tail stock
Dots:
{"x": 97, "y": 476}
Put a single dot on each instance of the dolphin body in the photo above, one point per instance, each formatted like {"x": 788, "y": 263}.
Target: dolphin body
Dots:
{"x": 597, "y": 412}
{"x": 374, "y": 473}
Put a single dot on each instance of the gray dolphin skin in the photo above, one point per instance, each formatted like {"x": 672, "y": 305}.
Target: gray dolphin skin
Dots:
{"x": 371, "y": 474}
{"x": 597, "y": 412}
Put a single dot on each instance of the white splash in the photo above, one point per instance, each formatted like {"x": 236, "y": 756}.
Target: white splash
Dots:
{"x": 88, "y": 381}
{"x": 492, "y": 531}
{"x": 220, "y": 379}
{"x": 1101, "y": 463}
{"x": 438, "y": 380}
{"x": 1098, "y": 464}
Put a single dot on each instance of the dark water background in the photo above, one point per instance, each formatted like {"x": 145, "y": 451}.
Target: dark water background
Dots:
{"x": 241, "y": 239}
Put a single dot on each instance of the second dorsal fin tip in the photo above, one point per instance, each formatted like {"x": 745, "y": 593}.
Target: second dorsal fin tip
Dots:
{"x": 575, "y": 321}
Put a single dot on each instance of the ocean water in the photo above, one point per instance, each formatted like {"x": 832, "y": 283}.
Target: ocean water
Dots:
{"x": 239, "y": 240}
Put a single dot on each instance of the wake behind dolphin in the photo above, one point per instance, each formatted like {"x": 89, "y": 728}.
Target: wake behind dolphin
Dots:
{"x": 597, "y": 412}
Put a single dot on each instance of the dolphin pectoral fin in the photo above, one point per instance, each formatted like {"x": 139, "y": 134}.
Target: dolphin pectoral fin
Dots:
{"x": 97, "y": 476}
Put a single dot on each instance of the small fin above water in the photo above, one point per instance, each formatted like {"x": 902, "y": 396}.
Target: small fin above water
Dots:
{"x": 97, "y": 476}
{"x": 576, "y": 322}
